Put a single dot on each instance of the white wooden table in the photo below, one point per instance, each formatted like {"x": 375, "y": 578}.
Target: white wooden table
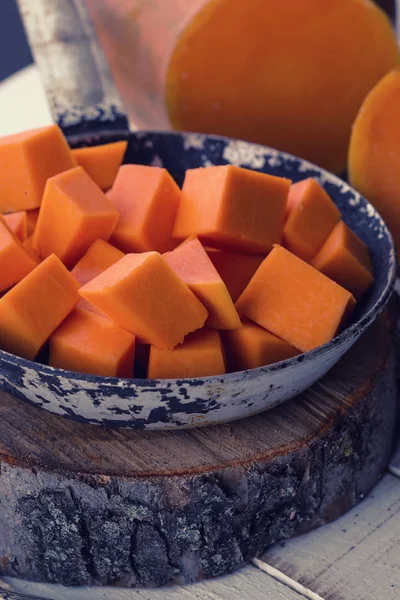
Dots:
{"x": 355, "y": 558}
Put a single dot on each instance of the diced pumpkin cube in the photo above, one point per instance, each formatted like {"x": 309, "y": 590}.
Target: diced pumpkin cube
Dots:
{"x": 35, "y": 307}
{"x": 27, "y": 161}
{"x": 28, "y": 245}
{"x": 88, "y": 343}
{"x": 31, "y": 218}
{"x": 99, "y": 257}
{"x": 15, "y": 262}
{"x": 18, "y": 223}
{"x": 345, "y": 259}
{"x": 235, "y": 269}
{"x": 192, "y": 264}
{"x": 294, "y": 301}
{"x": 74, "y": 213}
{"x": 252, "y": 346}
{"x": 232, "y": 208}
{"x": 143, "y": 295}
{"x": 312, "y": 216}
{"x": 147, "y": 199}
{"x": 101, "y": 162}
{"x": 200, "y": 355}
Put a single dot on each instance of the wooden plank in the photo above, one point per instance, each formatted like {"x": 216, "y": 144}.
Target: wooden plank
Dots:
{"x": 355, "y": 558}
{"x": 249, "y": 584}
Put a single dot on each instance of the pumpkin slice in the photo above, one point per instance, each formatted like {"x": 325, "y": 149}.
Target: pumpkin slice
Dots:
{"x": 101, "y": 162}
{"x": 200, "y": 355}
{"x": 192, "y": 264}
{"x": 295, "y": 302}
{"x": 143, "y": 295}
{"x": 74, "y": 213}
{"x": 88, "y": 343}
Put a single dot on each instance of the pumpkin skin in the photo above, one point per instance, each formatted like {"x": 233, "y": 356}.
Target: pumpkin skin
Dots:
{"x": 374, "y": 152}
{"x": 289, "y": 74}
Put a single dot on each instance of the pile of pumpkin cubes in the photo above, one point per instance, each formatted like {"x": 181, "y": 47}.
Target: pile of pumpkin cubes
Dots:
{"x": 116, "y": 271}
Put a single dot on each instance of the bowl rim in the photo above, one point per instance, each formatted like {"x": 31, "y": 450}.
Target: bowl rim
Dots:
{"x": 356, "y": 328}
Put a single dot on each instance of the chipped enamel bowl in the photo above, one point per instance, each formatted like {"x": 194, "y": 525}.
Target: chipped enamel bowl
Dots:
{"x": 174, "y": 404}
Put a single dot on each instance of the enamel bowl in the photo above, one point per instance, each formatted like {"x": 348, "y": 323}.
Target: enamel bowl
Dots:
{"x": 174, "y": 404}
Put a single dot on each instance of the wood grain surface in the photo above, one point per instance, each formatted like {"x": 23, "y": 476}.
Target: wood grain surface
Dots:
{"x": 355, "y": 558}
{"x": 247, "y": 584}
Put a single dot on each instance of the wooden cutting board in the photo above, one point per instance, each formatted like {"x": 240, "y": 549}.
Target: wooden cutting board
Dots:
{"x": 88, "y": 505}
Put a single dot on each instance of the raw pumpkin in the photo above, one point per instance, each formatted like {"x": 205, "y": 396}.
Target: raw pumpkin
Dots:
{"x": 233, "y": 67}
{"x": 252, "y": 346}
{"x": 344, "y": 258}
{"x": 27, "y": 160}
{"x": 232, "y": 208}
{"x": 18, "y": 223}
{"x": 74, "y": 213}
{"x": 311, "y": 216}
{"x": 192, "y": 264}
{"x": 374, "y": 154}
{"x": 143, "y": 295}
{"x": 235, "y": 269}
{"x": 200, "y": 355}
{"x": 294, "y": 301}
{"x": 28, "y": 245}
{"x": 32, "y": 219}
{"x": 88, "y": 343}
{"x": 147, "y": 199}
{"x": 15, "y": 261}
{"x": 99, "y": 257}
{"x": 101, "y": 162}
{"x": 35, "y": 307}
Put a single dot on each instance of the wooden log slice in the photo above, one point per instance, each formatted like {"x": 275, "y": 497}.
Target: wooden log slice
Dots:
{"x": 86, "y": 505}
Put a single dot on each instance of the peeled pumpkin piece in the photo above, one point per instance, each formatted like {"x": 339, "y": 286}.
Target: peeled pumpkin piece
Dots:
{"x": 88, "y": 343}
{"x": 18, "y": 223}
{"x": 31, "y": 218}
{"x": 143, "y": 295}
{"x": 232, "y": 208}
{"x": 35, "y": 307}
{"x": 310, "y": 217}
{"x": 147, "y": 199}
{"x": 101, "y": 162}
{"x": 235, "y": 269}
{"x": 192, "y": 264}
{"x": 15, "y": 261}
{"x": 344, "y": 258}
{"x": 74, "y": 213}
{"x": 374, "y": 153}
{"x": 234, "y": 67}
{"x": 27, "y": 161}
{"x": 99, "y": 257}
{"x": 294, "y": 301}
{"x": 252, "y": 346}
{"x": 28, "y": 245}
{"x": 201, "y": 354}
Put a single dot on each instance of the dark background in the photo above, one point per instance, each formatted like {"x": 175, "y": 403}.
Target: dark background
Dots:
{"x": 14, "y": 49}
